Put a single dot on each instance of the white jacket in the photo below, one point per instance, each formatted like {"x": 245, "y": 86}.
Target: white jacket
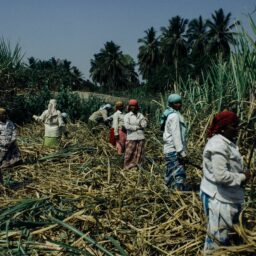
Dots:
{"x": 174, "y": 135}
{"x": 223, "y": 170}
{"x": 118, "y": 121}
{"x": 135, "y": 125}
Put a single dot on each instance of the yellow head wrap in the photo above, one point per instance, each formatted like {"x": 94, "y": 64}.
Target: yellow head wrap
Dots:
{"x": 119, "y": 104}
{"x": 2, "y": 111}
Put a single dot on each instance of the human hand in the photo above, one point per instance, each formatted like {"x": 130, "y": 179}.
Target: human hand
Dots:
{"x": 7, "y": 145}
{"x": 182, "y": 157}
{"x": 248, "y": 177}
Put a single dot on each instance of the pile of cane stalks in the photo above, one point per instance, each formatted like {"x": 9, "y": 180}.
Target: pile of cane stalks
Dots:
{"x": 77, "y": 200}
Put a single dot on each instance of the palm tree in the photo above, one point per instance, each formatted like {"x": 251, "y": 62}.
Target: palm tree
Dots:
{"x": 220, "y": 33}
{"x": 197, "y": 39}
{"x": 10, "y": 63}
{"x": 173, "y": 42}
{"x": 197, "y": 35}
{"x": 109, "y": 67}
{"x": 149, "y": 54}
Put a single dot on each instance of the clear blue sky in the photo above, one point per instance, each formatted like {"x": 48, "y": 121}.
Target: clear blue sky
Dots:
{"x": 77, "y": 29}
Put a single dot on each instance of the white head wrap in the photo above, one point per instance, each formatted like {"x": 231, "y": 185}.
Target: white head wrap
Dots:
{"x": 106, "y": 106}
{"x": 52, "y": 111}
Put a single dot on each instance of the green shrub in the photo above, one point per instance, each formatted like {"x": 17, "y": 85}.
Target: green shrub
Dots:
{"x": 37, "y": 101}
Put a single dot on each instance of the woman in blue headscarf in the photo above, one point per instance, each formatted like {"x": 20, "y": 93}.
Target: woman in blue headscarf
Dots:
{"x": 174, "y": 138}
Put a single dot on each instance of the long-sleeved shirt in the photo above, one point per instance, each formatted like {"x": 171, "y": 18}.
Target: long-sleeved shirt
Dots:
{"x": 7, "y": 134}
{"x": 118, "y": 121}
{"x": 135, "y": 124}
{"x": 54, "y": 125}
{"x": 223, "y": 170}
{"x": 174, "y": 135}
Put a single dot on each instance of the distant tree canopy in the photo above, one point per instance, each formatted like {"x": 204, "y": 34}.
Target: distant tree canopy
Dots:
{"x": 36, "y": 74}
{"x": 55, "y": 73}
{"x": 184, "y": 49}
{"x": 111, "y": 69}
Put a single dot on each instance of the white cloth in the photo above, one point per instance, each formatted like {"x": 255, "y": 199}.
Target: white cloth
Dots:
{"x": 118, "y": 121}
{"x": 174, "y": 135}
{"x": 99, "y": 114}
{"x": 135, "y": 124}
{"x": 222, "y": 217}
{"x": 223, "y": 170}
{"x": 53, "y": 124}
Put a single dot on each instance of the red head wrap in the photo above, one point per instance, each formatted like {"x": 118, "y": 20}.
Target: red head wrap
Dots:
{"x": 134, "y": 103}
{"x": 220, "y": 121}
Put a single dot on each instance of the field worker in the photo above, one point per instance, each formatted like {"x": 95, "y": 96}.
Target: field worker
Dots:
{"x": 118, "y": 127}
{"x": 134, "y": 123}
{"x": 222, "y": 190}
{"x": 174, "y": 138}
{"x": 100, "y": 116}
{"x": 53, "y": 123}
{"x": 9, "y": 152}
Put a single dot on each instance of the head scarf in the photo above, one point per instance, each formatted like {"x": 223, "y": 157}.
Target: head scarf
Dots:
{"x": 52, "y": 111}
{"x": 174, "y": 98}
{"x": 64, "y": 115}
{"x": 220, "y": 121}
{"x": 106, "y": 106}
{"x": 133, "y": 103}
{"x": 119, "y": 104}
{"x": 2, "y": 111}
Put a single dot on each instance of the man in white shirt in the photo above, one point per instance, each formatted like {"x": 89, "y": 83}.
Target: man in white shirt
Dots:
{"x": 174, "y": 138}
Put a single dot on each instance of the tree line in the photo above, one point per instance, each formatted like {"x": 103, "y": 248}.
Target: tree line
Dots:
{"x": 183, "y": 49}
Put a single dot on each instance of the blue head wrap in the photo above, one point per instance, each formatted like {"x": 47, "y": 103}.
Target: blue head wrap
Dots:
{"x": 174, "y": 98}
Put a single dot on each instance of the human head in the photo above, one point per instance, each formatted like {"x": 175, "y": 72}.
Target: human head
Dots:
{"x": 52, "y": 107}
{"x": 3, "y": 115}
{"x": 53, "y": 102}
{"x": 174, "y": 101}
{"x": 119, "y": 105}
{"x": 133, "y": 105}
{"x": 224, "y": 123}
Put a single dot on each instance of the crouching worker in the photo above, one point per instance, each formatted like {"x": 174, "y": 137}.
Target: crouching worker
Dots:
{"x": 100, "y": 116}
{"x": 9, "y": 151}
{"x": 53, "y": 124}
{"x": 174, "y": 138}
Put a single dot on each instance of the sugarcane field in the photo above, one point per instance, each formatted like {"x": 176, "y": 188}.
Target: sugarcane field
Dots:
{"x": 78, "y": 200}
{"x": 152, "y": 155}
